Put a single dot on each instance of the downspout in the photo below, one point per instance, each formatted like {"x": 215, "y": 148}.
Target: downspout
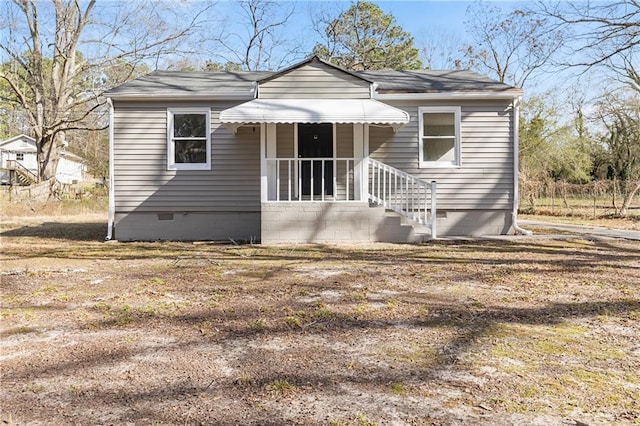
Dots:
{"x": 112, "y": 199}
{"x": 516, "y": 134}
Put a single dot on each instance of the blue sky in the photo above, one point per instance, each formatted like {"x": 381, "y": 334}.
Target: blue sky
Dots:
{"x": 415, "y": 16}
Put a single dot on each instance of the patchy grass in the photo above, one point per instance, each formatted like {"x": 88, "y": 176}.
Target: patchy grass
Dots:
{"x": 493, "y": 332}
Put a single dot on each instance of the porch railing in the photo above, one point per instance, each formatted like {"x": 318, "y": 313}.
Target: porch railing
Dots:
{"x": 403, "y": 193}
{"x": 352, "y": 179}
{"x": 314, "y": 179}
{"x": 23, "y": 175}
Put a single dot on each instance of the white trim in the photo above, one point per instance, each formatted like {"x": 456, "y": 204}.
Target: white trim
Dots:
{"x": 171, "y": 165}
{"x": 271, "y": 149}
{"x": 372, "y": 90}
{"x": 366, "y": 140}
{"x": 334, "y": 136}
{"x": 112, "y": 191}
{"x": 447, "y": 96}
{"x": 516, "y": 195}
{"x": 457, "y": 162}
{"x": 239, "y": 95}
{"x": 264, "y": 178}
{"x": 365, "y": 164}
{"x": 358, "y": 152}
{"x": 296, "y": 169}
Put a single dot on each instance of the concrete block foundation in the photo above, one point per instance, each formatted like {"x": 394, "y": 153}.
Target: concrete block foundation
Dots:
{"x": 187, "y": 226}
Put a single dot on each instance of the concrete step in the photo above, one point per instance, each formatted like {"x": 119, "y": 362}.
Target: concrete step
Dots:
{"x": 397, "y": 228}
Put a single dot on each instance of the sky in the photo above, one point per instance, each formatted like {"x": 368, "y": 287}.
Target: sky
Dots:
{"x": 416, "y": 16}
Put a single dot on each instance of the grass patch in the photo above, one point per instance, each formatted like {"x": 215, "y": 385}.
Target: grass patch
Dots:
{"x": 19, "y": 330}
{"x": 551, "y": 361}
{"x": 397, "y": 388}
{"x": 281, "y": 387}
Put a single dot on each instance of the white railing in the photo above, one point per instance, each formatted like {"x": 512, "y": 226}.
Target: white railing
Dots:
{"x": 403, "y": 193}
{"x": 314, "y": 179}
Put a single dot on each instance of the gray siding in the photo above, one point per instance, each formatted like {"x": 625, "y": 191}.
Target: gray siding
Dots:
{"x": 315, "y": 80}
{"x": 143, "y": 183}
{"x": 285, "y": 137}
{"x": 485, "y": 180}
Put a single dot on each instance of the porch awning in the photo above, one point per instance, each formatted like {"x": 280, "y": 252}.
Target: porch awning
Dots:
{"x": 361, "y": 111}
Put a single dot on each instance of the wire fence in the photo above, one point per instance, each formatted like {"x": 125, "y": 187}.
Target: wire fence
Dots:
{"x": 596, "y": 199}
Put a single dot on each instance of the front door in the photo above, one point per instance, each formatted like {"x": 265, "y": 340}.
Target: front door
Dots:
{"x": 316, "y": 141}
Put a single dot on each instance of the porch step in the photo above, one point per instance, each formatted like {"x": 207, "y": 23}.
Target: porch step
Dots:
{"x": 395, "y": 228}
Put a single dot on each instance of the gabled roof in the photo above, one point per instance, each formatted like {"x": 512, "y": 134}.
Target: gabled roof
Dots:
{"x": 31, "y": 142}
{"x": 242, "y": 84}
{"x": 310, "y": 60}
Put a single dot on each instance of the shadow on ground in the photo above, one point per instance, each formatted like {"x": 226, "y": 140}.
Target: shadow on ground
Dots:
{"x": 61, "y": 231}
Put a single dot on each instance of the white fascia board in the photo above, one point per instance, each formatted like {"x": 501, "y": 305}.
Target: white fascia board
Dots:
{"x": 173, "y": 97}
{"x": 446, "y": 96}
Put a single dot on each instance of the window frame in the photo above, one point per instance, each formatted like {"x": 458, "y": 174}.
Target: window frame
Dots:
{"x": 19, "y": 156}
{"x": 171, "y": 164}
{"x": 457, "y": 112}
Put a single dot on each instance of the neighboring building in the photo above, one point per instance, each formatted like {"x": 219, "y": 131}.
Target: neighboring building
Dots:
{"x": 19, "y": 164}
{"x": 307, "y": 153}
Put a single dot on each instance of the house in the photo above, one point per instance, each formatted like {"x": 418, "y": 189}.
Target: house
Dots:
{"x": 19, "y": 164}
{"x": 312, "y": 153}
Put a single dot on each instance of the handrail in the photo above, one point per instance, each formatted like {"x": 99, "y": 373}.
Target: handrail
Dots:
{"x": 337, "y": 177}
{"x": 15, "y": 165}
{"x": 403, "y": 193}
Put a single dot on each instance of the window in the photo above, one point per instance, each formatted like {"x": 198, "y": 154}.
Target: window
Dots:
{"x": 20, "y": 156}
{"x": 189, "y": 139}
{"x": 439, "y": 136}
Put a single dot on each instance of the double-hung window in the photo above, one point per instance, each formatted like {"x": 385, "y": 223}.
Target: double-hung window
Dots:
{"x": 189, "y": 139}
{"x": 439, "y": 137}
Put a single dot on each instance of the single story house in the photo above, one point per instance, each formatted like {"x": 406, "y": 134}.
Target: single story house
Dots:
{"x": 19, "y": 164}
{"x": 312, "y": 153}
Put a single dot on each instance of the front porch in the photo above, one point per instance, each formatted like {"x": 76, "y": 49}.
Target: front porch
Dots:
{"x": 317, "y": 181}
{"x": 319, "y": 184}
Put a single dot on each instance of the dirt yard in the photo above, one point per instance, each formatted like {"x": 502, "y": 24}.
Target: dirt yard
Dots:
{"x": 528, "y": 331}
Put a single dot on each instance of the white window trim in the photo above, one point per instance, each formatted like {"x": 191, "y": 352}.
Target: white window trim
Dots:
{"x": 457, "y": 111}
{"x": 171, "y": 164}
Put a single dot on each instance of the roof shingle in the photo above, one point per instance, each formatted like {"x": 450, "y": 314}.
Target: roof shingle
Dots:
{"x": 211, "y": 83}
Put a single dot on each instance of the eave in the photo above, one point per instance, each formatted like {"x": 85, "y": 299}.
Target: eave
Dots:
{"x": 393, "y": 95}
{"x": 242, "y": 96}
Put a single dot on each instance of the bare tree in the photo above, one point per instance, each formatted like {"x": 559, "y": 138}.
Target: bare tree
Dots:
{"x": 597, "y": 32}
{"x": 511, "y": 46}
{"x": 263, "y": 45}
{"x": 621, "y": 143}
{"x": 599, "y": 35}
{"x": 58, "y": 57}
{"x": 439, "y": 49}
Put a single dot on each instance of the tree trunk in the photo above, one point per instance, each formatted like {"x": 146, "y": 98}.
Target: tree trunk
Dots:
{"x": 628, "y": 198}
{"x": 48, "y": 155}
